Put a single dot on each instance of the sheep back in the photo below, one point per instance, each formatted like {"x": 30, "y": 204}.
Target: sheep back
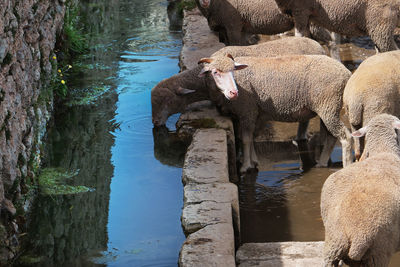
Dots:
{"x": 360, "y": 208}
{"x": 374, "y": 88}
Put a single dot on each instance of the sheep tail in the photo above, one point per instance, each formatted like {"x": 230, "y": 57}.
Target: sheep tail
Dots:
{"x": 358, "y": 248}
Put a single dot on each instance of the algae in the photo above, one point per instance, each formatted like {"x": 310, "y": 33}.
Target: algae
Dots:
{"x": 53, "y": 181}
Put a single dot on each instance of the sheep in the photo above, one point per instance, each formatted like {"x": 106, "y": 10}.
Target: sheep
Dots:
{"x": 287, "y": 88}
{"x": 174, "y": 94}
{"x": 374, "y": 88}
{"x": 360, "y": 204}
{"x": 352, "y": 18}
{"x": 235, "y": 19}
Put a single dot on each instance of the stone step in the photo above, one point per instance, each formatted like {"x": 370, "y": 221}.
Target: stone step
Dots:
{"x": 280, "y": 254}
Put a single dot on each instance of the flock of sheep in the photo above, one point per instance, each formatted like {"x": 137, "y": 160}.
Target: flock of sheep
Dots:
{"x": 292, "y": 80}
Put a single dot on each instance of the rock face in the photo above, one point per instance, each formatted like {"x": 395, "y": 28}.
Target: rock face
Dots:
{"x": 28, "y": 30}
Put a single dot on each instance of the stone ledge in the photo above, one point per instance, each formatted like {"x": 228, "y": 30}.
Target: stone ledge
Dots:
{"x": 205, "y": 115}
{"x": 198, "y": 216}
{"x": 206, "y": 160}
{"x": 198, "y": 41}
{"x": 212, "y": 245}
{"x": 277, "y": 254}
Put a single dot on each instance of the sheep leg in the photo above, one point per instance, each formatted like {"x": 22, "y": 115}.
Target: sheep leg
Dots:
{"x": 301, "y": 24}
{"x": 336, "y": 127}
{"x": 248, "y": 146}
{"x": 329, "y": 144}
{"x": 302, "y": 131}
{"x": 333, "y": 46}
{"x": 357, "y": 143}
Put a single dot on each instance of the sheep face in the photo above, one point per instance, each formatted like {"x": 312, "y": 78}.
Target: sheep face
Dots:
{"x": 166, "y": 102}
{"x": 221, "y": 69}
{"x": 205, "y": 3}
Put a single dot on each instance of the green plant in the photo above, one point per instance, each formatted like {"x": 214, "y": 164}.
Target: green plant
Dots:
{"x": 75, "y": 42}
{"x": 186, "y": 5}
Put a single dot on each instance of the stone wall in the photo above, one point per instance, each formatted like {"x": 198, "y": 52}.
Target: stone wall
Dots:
{"x": 28, "y": 30}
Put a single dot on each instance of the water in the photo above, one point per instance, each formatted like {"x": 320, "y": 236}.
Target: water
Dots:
{"x": 132, "y": 218}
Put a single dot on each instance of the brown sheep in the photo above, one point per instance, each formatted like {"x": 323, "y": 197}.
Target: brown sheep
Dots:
{"x": 360, "y": 204}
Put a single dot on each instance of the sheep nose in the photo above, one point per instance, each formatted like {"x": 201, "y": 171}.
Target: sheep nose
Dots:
{"x": 233, "y": 94}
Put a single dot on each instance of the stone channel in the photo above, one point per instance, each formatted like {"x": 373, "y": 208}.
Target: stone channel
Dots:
{"x": 210, "y": 217}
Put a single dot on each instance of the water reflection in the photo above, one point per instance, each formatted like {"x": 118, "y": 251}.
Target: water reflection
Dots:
{"x": 132, "y": 217}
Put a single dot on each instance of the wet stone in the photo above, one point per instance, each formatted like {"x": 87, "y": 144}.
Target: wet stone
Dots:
{"x": 198, "y": 41}
{"x": 218, "y": 192}
{"x": 206, "y": 160}
{"x": 197, "y": 216}
{"x": 288, "y": 254}
{"x": 211, "y": 246}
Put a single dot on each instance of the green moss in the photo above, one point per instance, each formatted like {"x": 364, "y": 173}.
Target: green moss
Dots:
{"x": 186, "y": 5}
{"x": 53, "y": 181}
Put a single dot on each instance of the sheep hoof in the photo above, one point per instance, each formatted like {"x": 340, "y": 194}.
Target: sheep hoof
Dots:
{"x": 245, "y": 169}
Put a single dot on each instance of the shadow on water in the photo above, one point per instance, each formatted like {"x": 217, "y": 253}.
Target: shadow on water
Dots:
{"x": 131, "y": 218}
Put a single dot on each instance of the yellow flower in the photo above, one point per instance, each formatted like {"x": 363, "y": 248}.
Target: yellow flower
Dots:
{"x": 62, "y": 81}
{"x": 54, "y": 57}
{"x": 59, "y": 71}
{"x": 61, "y": 75}
{"x": 69, "y": 67}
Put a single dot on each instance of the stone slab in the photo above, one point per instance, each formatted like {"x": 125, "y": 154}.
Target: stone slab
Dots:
{"x": 205, "y": 115}
{"x": 213, "y": 245}
{"x": 198, "y": 40}
{"x": 197, "y": 216}
{"x": 281, "y": 254}
{"x": 206, "y": 160}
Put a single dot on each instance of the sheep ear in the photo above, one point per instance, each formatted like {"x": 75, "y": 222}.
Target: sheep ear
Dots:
{"x": 203, "y": 72}
{"x": 184, "y": 91}
{"x": 360, "y": 132}
{"x": 230, "y": 56}
{"x": 396, "y": 125}
{"x": 205, "y": 60}
{"x": 239, "y": 66}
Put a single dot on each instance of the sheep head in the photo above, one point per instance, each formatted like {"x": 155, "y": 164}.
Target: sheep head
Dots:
{"x": 380, "y": 135}
{"x": 165, "y": 102}
{"x": 221, "y": 68}
{"x": 205, "y": 3}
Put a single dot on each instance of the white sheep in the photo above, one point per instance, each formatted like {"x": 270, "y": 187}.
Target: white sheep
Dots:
{"x": 374, "y": 88}
{"x": 376, "y": 18}
{"x": 174, "y": 94}
{"x": 360, "y": 204}
{"x": 286, "y": 88}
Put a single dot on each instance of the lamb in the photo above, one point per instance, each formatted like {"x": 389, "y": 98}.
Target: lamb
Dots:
{"x": 174, "y": 94}
{"x": 360, "y": 204}
{"x": 374, "y": 88}
{"x": 286, "y": 88}
{"x": 352, "y": 18}
{"x": 235, "y": 19}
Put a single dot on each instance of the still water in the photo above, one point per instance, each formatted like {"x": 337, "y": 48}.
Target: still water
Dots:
{"x": 132, "y": 217}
